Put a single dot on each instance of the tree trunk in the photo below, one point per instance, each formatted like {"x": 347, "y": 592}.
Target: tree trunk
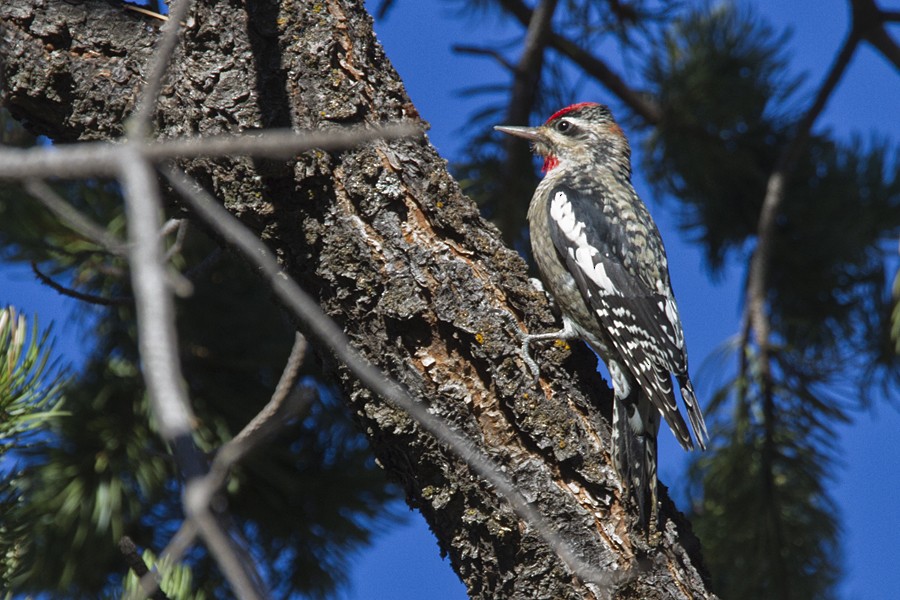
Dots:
{"x": 396, "y": 254}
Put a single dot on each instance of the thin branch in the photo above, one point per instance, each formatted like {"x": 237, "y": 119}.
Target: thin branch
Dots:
{"x": 523, "y": 97}
{"x": 330, "y": 335}
{"x": 138, "y": 126}
{"x": 158, "y": 345}
{"x": 275, "y": 414}
{"x": 73, "y": 218}
{"x": 869, "y": 21}
{"x": 593, "y": 66}
{"x": 171, "y": 226}
{"x": 233, "y": 560}
{"x": 180, "y": 284}
{"x": 145, "y": 12}
{"x": 884, "y": 43}
{"x": 92, "y": 159}
{"x": 756, "y": 311}
{"x": 639, "y": 102}
{"x": 175, "y": 550}
{"x": 383, "y": 9}
{"x": 71, "y": 293}
{"x": 156, "y": 312}
{"x": 139, "y": 567}
{"x": 527, "y": 75}
{"x": 482, "y": 51}
{"x": 762, "y": 255}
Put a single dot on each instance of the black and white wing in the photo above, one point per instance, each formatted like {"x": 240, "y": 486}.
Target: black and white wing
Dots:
{"x": 623, "y": 278}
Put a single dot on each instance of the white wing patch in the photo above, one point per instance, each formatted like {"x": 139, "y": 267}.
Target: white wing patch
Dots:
{"x": 675, "y": 320}
{"x": 583, "y": 253}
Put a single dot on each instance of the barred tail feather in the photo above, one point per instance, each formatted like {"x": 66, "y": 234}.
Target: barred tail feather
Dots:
{"x": 693, "y": 410}
{"x": 634, "y": 456}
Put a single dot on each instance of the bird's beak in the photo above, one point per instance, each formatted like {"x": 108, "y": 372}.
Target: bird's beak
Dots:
{"x": 528, "y": 133}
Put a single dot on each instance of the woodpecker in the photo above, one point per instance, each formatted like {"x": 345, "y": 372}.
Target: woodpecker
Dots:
{"x": 602, "y": 259}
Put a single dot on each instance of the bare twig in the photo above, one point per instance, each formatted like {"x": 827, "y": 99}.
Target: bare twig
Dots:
{"x": 758, "y": 274}
{"x": 177, "y": 547}
{"x": 180, "y": 227}
{"x": 276, "y": 413}
{"x": 90, "y": 159}
{"x": 330, "y": 335}
{"x": 73, "y": 218}
{"x": 263, "y": 423}
{"x": 171, "y": 226}
{"x": 181, "y": 284}
{"x": 482, "y": 51}
{"x": 159, "y": 351}
{"x": 384, "y": 8}
{"x": 869, "y": 22}
{"x": 234, "y": 561}
{"x": 139, "y": 567}
{"x": 523, "y": 96}
{"x": 130, "y": 162}
{"x": 527, "y": 74}
{"x": 66, "y": 291}
{"x": 145, "y": 12}
{"x": 155, "y": 311}
{"x": 756, "y": 318}
{"x": 642, "y": 104}
{"x": 592, "y": 65}
{"x": 884, "y": 43}
{"x": 138, "y": 126}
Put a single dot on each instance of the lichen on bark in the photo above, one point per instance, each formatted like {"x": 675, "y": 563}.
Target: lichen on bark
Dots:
{"x": 395, "y": 253}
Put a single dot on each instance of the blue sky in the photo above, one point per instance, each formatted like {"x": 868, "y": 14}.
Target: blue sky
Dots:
{"x": 405, "y": 563}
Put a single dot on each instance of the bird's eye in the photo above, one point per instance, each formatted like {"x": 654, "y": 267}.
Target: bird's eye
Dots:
{"x": 563, "y": 126}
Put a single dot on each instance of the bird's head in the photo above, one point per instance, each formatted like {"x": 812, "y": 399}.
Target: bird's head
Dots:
{"x": 580, "y": 134}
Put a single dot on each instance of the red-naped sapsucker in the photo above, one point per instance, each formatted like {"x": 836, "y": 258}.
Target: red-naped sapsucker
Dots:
{"x": 601, "y": 257}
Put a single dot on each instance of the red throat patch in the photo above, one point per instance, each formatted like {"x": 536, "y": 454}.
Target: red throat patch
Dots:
{"x": 550, "y": 162}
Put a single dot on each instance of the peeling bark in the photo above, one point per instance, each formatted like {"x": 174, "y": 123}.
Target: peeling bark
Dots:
{"x": 396, "y": 254}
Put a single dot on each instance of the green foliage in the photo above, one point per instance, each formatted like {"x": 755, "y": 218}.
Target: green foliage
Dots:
{"x": 767, "y": 522}
{"x": 176, "y": 580}
{"x": 722, "y": 84}
{"x": 721, "y": 79}
{"x": 29, "y": 400}
{"x": 830, "y": 298}
{"x": 306, "y": 501}
{"x": 761, "y": 504}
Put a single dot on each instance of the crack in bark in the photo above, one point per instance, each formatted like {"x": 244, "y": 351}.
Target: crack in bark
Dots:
{"x": 310, "y": 212}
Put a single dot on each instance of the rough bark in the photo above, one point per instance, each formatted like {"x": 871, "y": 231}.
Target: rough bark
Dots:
{"x": 396, "y": 254}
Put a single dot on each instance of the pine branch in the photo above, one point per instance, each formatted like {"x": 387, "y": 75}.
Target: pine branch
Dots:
{"x": 756, "y": 311}
{"x": 592, "y": 65}
{"x": 869, "y": 21}
{"x": 72, "y": 293}
{"x": 522, "y": 98}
